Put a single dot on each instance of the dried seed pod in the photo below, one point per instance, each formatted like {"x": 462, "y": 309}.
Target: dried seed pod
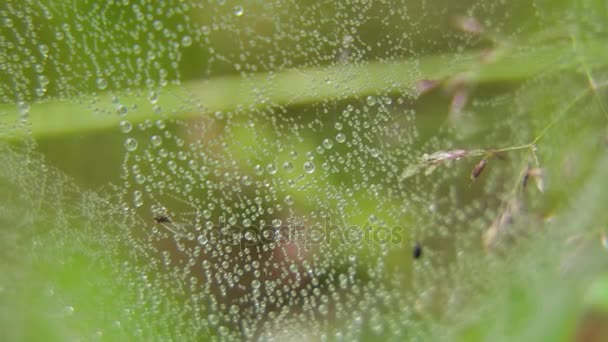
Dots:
{"x": 500, "y": 227}
{"x": 524, "y": 182}
{"x": 537, "y": 175}
{"x": 540, "y": 184}
{"x": 478, "y": 169}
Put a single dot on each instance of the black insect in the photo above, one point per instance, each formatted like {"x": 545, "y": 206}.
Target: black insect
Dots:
{"x": 162, "y": 219}
{"x": 417, "y": 251}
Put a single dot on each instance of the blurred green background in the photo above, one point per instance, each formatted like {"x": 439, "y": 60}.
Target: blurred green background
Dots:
{"x": 76, "y": 75}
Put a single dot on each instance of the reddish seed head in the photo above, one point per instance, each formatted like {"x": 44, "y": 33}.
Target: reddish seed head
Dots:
{"x": 441, "y": 156}
{"x": 424, "y": 86}
{"x": 459, "y": 100}
{"x": 469, "y": 25}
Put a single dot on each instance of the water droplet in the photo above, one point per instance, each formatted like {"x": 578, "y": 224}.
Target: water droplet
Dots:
{"x": 24, "y": 109}
{"x": 172, "y": 165}
{"x": 121, "y": 110}
{"x": 68, "y": 310}
{"x": 157, "y": 109}
{"x": 309, "y": 167}
{"x": 343, "y": 279}
{"x": 125, "y": 126}
{"x": 340, "y": 138}
{"x": 246, "y": 180}
{"x": 156, "y": 141}
{"x": 158, "y": 25}
{"x": 101, "y": 83}
{"x": 44, "y": 50}
{"x": 153, "y": 97}
{"x": 250, "y": 236}
{"x": 138, "y": 199}
{"x": 213, "y": 319}
{"x": 131, "y": 144}
{"x": 271, "y": 169}
{"x": 327, "y": 143}
{"x": 288, "y": 166}
{"x": 186, "y": 41}
{"x": 140, "y": 178}
{"x": 43, "y": 81}
{"x": 238, "y": 11}
{"x": 289, "y": 200}
{"x": 374, "y": 152}
{"x": 370, "y": 100}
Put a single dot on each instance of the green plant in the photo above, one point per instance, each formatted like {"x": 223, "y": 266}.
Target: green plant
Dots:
{"x": 148, "y": 150}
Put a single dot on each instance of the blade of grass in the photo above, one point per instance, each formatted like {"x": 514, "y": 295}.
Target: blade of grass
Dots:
{"x": 57, "y": 117}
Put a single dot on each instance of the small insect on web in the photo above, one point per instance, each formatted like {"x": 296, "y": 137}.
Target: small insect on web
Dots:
{"x": 166, "y": 222}
{"x": 162, "y": 219}
{"x": 417, "y": 251}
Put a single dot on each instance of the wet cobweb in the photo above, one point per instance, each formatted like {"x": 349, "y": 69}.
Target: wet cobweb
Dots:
{"x": 266, "y": 191}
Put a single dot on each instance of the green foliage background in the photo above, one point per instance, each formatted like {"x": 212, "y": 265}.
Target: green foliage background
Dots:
{"x": 59, "y": 233}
